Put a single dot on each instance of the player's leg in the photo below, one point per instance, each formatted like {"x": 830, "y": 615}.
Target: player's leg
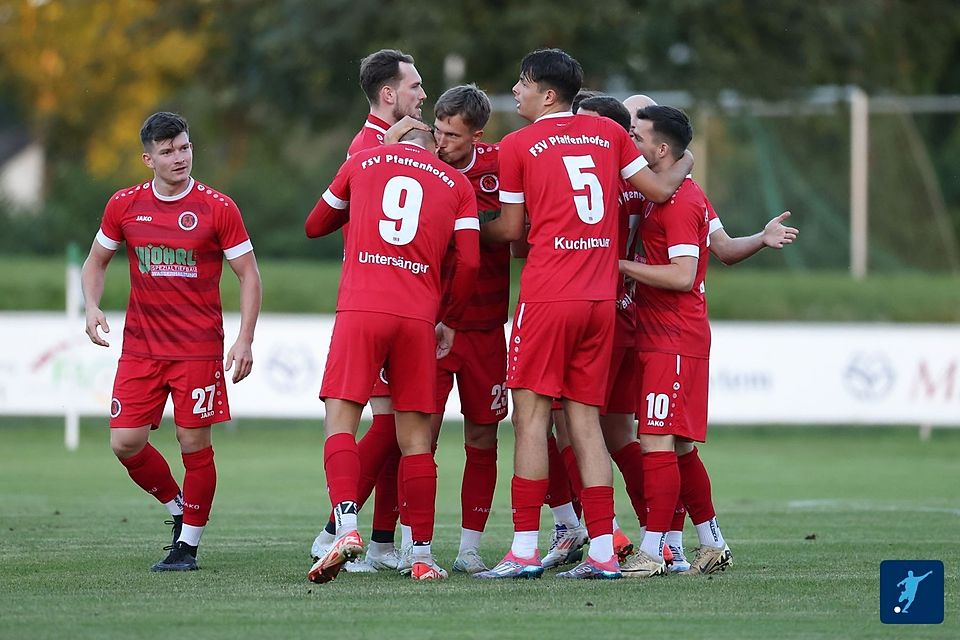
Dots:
{"x": 386, "y": 503}
{"x": 618, "y": 434}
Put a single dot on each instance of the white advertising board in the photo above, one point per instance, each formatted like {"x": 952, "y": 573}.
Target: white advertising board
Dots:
{"x": 760, "y": 372}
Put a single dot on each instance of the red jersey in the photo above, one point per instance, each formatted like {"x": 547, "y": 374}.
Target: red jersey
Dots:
{"x": 566, "y": 170}
{"x": 631, "y": 209}
{"x": 175, "y": 247}
{"x": 370, "y": 135}
{"x": 487, "y": 308}
{"x": 404, "y": 206}
{"x": 675, "y": 321}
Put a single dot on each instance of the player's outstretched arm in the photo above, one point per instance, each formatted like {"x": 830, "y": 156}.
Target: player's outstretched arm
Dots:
{"x": 733, "y": 250}
{"x": 660, "y": 186}
{"x": 395, "y": 133}
{"x": 679, "y": 275}
{"x": 240, "y": 355}
{"x": 92, "y": 277}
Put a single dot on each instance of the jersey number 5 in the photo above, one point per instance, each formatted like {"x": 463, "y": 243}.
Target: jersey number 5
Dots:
{"x": 402, "y": 199}
{"x": 590, "y": 206}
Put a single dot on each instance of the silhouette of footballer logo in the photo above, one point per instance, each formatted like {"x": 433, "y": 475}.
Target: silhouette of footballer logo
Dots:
{"x": 911, "y": 592}
{"x": 489, "y": 183}
{"x": 115, "y": 408}
{"x": 869, "y": 376}
{"x": 188, "y": 221}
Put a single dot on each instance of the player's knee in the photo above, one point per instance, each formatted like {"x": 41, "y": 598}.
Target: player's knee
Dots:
{"x": 481, "y": 437}
{"x": 124, "y": 449}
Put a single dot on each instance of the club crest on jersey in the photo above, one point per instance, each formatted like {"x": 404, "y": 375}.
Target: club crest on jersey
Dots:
{"x": 115, "y": 408}
{"x": 188, "y": 221}
{"x": 489, "y": 183}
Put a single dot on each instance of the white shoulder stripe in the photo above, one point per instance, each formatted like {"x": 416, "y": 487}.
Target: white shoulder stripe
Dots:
{"x": 106, "y": 241}
{"x": 633, "y": 167}
{"x": 466, "y": 223}
{"x": 241, "y": 249}
{"x": 678, "y": 250}
{"x": 511, "y": 197}
{"x": 715, "y": 225}
{"x": 334, "y": 201}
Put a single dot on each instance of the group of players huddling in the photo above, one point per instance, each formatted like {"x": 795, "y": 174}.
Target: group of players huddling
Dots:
{"x": 611, "y": 325}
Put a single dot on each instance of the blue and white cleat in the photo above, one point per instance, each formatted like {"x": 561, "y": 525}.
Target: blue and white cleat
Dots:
{"x": 513, "y": 567}
{"x": 679, "y": 562}
{"x": 590, "y": 569}
{"x": 564, "y": 544}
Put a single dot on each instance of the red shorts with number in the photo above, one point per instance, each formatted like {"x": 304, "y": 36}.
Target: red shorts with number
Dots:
{"x": 622, "y": 382}
{"x": 363, "y": 342}
{"x": 479, "y": 360}
{"x": 141, "y": 387}
{"x": 673, "y": 395}
{"x": 562, "y": 349}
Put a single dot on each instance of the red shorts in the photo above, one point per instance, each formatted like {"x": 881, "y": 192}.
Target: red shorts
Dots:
{"x": 363, "y": 342}
{"x": 622, "y": 382}
{"x": 673, "y": 395}
{"x": 381, "y": 388}
{"x": 141, "y": 387}
{"x": 562, "y": 349}
{"x": 479, "y": 360}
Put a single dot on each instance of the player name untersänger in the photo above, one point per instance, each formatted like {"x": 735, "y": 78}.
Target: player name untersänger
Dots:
{"x": 409, "y": 162}
{"x": 365, "y": 257}
{"x": 552, "y": 141}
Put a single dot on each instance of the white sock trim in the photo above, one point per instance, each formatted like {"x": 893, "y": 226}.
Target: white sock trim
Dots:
{"x": 190, "y": 535}
{"x": 565, "y": 515}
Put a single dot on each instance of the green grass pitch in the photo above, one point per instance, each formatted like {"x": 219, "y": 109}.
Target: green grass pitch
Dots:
{"x": 77, "y": 539}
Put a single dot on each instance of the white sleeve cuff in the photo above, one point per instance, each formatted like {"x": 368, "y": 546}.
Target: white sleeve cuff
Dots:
{"x": 715, "y": 225}
{"x": 511, "y": 197}
{"x": 466, "y": 223}
{"x": 633, "y": 168}
{"x": 678, "y": 250}
{"x": 106, "y": 241}
{"x": 237, "y": 251}
{"x": 334, "y": 201}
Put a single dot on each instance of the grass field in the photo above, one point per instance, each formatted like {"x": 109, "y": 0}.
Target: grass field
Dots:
{"x": 77, "y": 538}
{"x": 734, "y": 293}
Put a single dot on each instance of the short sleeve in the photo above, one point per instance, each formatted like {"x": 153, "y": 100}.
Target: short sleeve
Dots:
{"x": 110, "y": 234}
{"x": 682, "y": 226}
{"x": 511, "y": 171}
{"x": 631, "y": 160}
{"x": 233, "y": 236}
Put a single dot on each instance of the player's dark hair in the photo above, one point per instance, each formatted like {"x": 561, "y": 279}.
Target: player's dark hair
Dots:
{"x": 582, "y": 95}
{"x": 608, "y": 107}
{"x": 379, "y": 69}
{"x": 671, "y": 125}
{"x": 554, "y": 69}
{"x": 162, "y": 126}
{"x": 424, "y": 138}
{"x": 467, "y": 101}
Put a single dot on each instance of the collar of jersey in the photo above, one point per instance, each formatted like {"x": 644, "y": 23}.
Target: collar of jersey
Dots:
{"x": 175, "y": 197}
{"x": 412, "y": 144}
{"x": 559, "y": 114}
{"x": 375, "y": 125}
{"x": 470, "y": 164}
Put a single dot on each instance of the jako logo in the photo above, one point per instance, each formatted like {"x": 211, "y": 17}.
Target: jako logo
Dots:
{"x": 144, "y": 218}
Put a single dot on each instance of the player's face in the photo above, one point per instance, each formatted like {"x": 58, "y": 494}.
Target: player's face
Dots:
{"x": 410, "y": 93}
{"x": 529, "y": 98}
{"x": 644, "y": 139}
{"x": 455, "y": 140}
{"x": 171, "y": 160}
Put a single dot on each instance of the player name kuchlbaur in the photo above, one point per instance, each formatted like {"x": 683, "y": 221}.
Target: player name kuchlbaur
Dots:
{"x": 365, "y": 257}
{"x": 552, "y": 141}
{"x": 580, "y": 244}
{"x": 409, "y": 162}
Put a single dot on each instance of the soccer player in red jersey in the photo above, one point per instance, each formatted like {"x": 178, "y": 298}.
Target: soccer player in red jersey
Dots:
{"x": 394, "y": 90}
{"x": 405, "y": 208}
{"x": 565, "y": 170}
{"x": 479, "y": 355}
{"x": 177, "y": 232}
{"x": 673, "y": 338}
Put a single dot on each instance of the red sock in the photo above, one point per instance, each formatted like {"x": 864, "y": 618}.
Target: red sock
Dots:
{"x": 341, "y": 463}
{"x": 420, "y": 489}
{"x": 373, "y": 448}
{"x": 680, "y": 511}
{"x": 150, "y": 471}
{"x": 558, "y": 492}
{"x": 661, "y": 486}
{"x": 598, "y": 510}
{"x": 479, "y": 482}
{"x": 573, "y": 472}
{"x": 695, "y": 489}
{"x": 402, "y": 497}
{"x": 629, "y": 460}
{"x": 199, "y": 485}
{"x": 386, "y": 502}
{"x": 527, "y": 497}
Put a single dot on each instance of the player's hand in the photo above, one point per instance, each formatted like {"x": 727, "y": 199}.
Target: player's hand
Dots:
{"x": 241, "y": 354}
{"x": 775, "y": 234}
{"x": 95, "y": 319}
{"x": 445, "y": 336}
{"x": 404, "y": 126}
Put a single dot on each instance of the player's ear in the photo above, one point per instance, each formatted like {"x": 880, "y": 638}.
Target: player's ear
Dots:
{"x": 387, "y": 94}
{"x": 477, "y": 135}
{"x": 147, "y": 160}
